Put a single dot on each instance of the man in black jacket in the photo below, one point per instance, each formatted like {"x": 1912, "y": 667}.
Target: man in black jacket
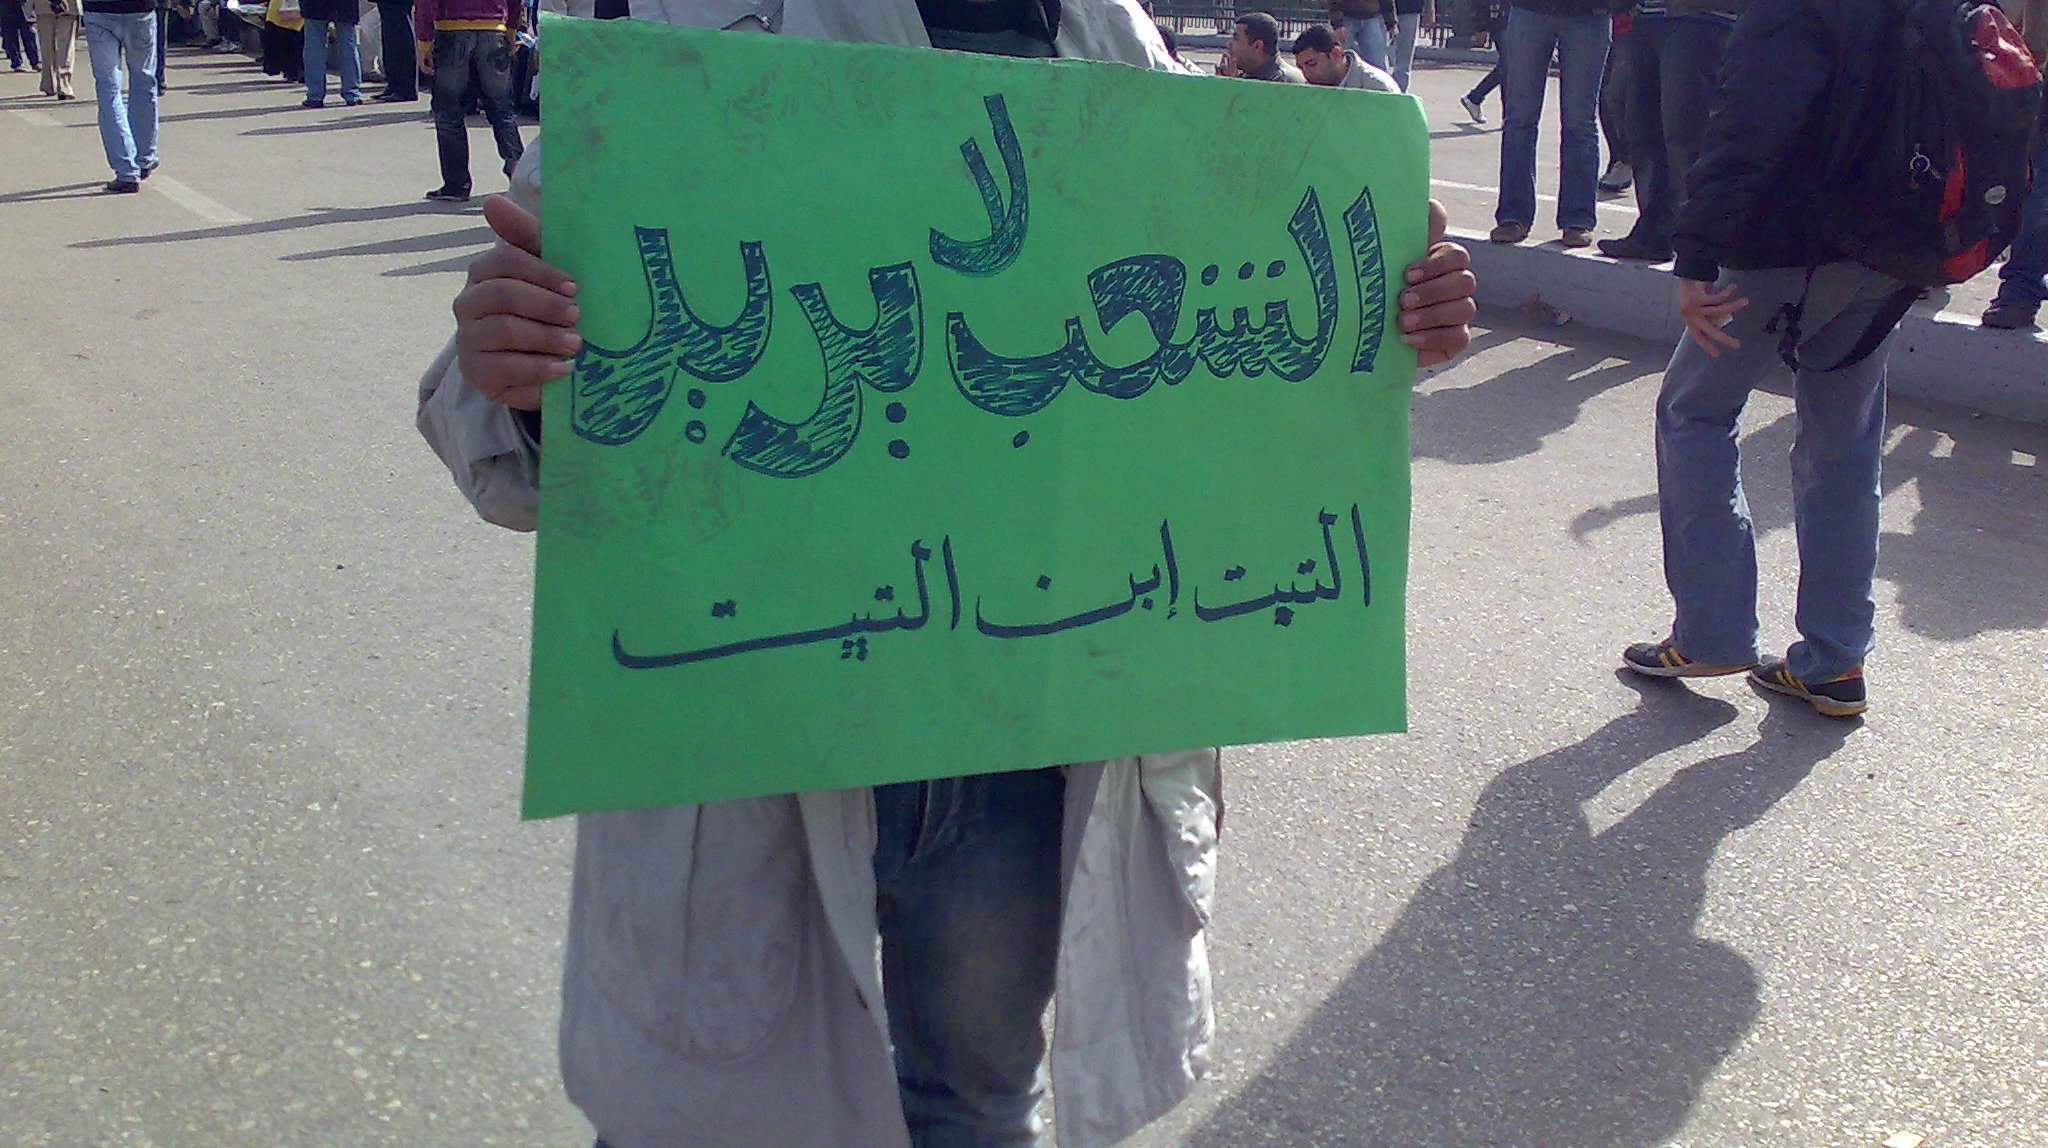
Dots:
{"x": 1757, "y": 190}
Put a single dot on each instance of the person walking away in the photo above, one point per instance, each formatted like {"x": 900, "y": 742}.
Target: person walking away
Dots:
{"x": 460, "y": 42}
{"x": 401, "y": 62}
{"x": 1496, "y": 24}
{"x": 1577, "y": 31}
{"x": 1677, "y": 49}
{"x": 121, "y": 35}
{"x": 1407, "y": 29}
{"x": 1615, "y": 106}
{"x": 1787, "y": 183}
{"x": 57, "y": 39}
{"x": 2023, "y": 283}
{"x": 341, "y": 16}
{"x": 17, "y": 31}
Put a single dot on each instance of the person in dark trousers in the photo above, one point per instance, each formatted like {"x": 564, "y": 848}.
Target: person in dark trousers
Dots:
{"x": 2023, "y": 284}
{"x": 1675, "y": 49}
{"x": 461, "y": 41}
{"x": 1749, "y": 241}
{"x": 1496, "y": 23}
{"x": 401, "y": 65}
{"x": 1615, "y": 103}
{"x": 18, "y": 32}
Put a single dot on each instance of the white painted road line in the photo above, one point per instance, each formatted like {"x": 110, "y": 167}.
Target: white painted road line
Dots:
{"x": 39, "y": 119}
{"x": 194, "y": 202}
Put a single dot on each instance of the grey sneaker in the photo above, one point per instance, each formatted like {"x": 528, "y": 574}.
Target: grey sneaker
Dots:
{"x": 2009, "y": 316}
{"x": 1472, "y": 109}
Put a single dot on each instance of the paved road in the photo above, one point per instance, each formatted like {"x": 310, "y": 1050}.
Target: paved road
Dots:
{"x": 262, "y": 677}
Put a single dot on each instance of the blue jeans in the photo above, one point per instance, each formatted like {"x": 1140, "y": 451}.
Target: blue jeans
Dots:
{"x": 1369, "y": 39}
{"x": 116, "y": 40}
{"x": 1675, "y": 60}
{"x": 1709, "y": 545}
{"x": 2021, "y": 283}
{"x": 967, "y": 879}
{"x": 1402, "y": 51}
{"x": 1581, "y": 46}
{"x": 316, "y": 61}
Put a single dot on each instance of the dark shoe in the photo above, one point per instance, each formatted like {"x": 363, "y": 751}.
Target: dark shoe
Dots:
{"x": 1576, "y": 237}
{"x": 2010, "y": 316}
{"x": 1618, "y": 178}
{"x": 1662, "y": 660}
{"x": 1510, "y": 233}
{"x": 393, "y": 98}
{"x": 352, "y": 102}
{"x": 66, "y": 96}
{"x": 1629, "y": 247}
{"x": 152, "y": 167}
{"x": 1837, "y": 697}
{"x": 447, "y": 195}
{"x": 312, "y": 103}
{"x": 123, "y": 186}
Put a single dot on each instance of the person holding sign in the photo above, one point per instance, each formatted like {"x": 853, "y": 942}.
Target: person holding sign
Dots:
{"x": 721, "y": 983}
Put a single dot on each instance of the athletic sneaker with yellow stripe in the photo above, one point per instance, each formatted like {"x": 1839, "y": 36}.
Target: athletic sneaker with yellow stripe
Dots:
{"x": 1842, "y": 696}
{"x": 1662, "y": 660}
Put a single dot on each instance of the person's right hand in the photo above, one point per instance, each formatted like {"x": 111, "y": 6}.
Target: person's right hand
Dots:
{"x": 425, "y": 54}
{"x": 515, "y": 322}
{"x": 1707, "y": 310}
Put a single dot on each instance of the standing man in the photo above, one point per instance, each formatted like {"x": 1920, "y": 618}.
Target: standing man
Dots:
{"x": 17, "y": 28}
{"x": 1758, "y": 189}
{"x": 1368, "y": 26}
{"x": 121, "y": 34}
{"x": 342, "y": 16}
{"x": 1326, "y": 63}
{"x": 1409, "y": 21}
{"x": 57, "y": 36}
{"x": 2023, "y": 284}
{"x": 1577, "y": 31}
{"x": 1254, "y": 52}
{"x": 1675, "y": 55}
{"x": 461, "y": 41}
{"x": 401, "y": 62}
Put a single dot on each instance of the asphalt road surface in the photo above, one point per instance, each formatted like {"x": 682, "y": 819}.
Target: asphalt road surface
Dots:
{"x": 262, "y": 687}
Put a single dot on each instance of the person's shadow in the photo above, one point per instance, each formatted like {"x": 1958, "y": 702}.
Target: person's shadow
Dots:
{"x": 1547, "y": 987}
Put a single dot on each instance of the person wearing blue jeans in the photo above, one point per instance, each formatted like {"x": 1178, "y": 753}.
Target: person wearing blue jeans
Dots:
{"x": 1368, "y": 34}
{"x": 1675, "y": 56}
{"x": 342, "y": 16}
{"x": 1578, "y": 32}
{"x": 1709, "y": 545}
{"x": 1407, "y": 30}
{"x": 1759, "y": 281}
{"x": 2023, "y": 285}
{"x": 121, "y": 35}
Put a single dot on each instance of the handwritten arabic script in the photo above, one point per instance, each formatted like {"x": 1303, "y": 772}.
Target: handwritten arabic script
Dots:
{"x": 618, "y": 393}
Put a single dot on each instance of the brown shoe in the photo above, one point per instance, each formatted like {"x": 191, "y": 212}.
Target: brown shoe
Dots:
{"x": 1510, "y": 233}
{"x": 1577, "y": 237}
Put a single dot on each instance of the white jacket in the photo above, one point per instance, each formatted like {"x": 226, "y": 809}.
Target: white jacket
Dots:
{"x": 722, "y": 985}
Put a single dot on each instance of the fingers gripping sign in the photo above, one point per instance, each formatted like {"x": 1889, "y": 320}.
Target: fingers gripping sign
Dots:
{"x": 515, "y": 321}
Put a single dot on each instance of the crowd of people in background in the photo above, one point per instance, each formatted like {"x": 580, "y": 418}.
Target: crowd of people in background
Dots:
{"x": 481, "y": 55}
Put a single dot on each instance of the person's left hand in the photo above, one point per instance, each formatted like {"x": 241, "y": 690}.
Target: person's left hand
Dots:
{"x": 1437, "y": 307}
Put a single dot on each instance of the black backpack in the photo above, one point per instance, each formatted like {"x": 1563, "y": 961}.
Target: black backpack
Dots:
{"x": 1933, "y": 155}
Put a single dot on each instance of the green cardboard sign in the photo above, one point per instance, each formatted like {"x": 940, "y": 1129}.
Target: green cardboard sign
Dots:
{"x": 948, "y": 414}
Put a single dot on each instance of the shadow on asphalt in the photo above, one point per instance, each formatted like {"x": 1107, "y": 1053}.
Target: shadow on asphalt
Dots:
{"x": 475, "y": 238}
{"x": 61, "y": 191}
{"x": 314, "y": 217}
{"x": 1547, "y": 987}
{"x": 1509, "y": 415}
{"x": 351, "y": 120}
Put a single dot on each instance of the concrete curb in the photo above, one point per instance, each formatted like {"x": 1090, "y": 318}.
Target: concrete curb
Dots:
{"x": 1940, "y": 357}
